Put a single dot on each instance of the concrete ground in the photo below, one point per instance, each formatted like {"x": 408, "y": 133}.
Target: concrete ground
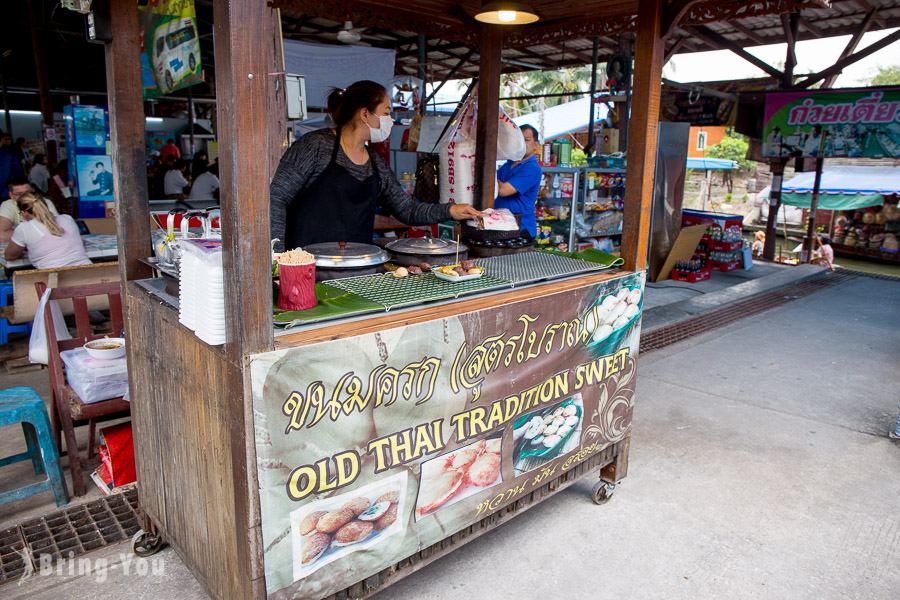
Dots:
{"x": 760, "y": 467}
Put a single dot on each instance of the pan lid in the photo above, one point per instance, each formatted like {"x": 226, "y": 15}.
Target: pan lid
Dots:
{"x": 346, "y": 255}
{"x": 425, "y": 246}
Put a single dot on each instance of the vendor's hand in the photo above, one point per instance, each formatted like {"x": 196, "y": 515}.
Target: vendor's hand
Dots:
{"x": 462, "y": 212}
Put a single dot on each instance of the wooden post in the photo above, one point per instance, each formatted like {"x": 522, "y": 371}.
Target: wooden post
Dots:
{"x": 777, "y": 167}
{"x": 40, "y": 67}
{"x": 242, "y": 88}
{"x": 642, "y": 130}
{"x": 126, "y": 112}
{"x": 490, "y": 45}
{"x": 277, "y": 109}
{"x": 624, "y": 110}
{"x": 809, "y": 244}
{"x": 593, "y": 109}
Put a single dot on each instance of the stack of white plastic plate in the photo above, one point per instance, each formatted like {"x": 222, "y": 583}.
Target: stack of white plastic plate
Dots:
{"x": 187, "y": 307}
{"x": 204, "y": 288}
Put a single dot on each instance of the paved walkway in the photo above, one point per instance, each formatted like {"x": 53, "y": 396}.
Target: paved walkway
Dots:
{"x": 760, "y": 468}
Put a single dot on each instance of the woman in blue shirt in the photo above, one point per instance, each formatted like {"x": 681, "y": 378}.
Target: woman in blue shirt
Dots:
{"x": 519, "y": 182}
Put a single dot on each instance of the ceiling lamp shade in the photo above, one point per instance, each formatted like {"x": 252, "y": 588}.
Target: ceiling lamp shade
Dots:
{"x": 503, "y": 12}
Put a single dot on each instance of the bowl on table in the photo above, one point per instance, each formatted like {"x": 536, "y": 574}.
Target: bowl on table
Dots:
{"x": 106, "y": 348}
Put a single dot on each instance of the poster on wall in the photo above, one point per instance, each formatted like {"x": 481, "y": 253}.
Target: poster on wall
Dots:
{"x": 90, "y": 126}
{"x": 856, "y": 124}
{"x": 372, "y": 447}
{"x": 155, "y": 140}
{"x": 94, "y": 177}
{"x": 170, "y": 56}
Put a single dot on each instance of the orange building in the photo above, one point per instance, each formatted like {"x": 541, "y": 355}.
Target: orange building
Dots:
{"x": 702, "y": 137}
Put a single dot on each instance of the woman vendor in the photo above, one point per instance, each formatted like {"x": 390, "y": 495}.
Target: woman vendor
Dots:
{"x": 326, "y": 186}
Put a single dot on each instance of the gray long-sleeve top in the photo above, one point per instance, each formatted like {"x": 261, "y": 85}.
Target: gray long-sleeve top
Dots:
{"x": 305, "y": 160}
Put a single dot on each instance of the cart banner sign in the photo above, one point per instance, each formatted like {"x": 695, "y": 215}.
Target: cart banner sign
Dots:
{"x": 374, "y": 447}
{"x": 861, "y": 123}
{"x": 711, "y": 103}
{"x": 170, "y": 57}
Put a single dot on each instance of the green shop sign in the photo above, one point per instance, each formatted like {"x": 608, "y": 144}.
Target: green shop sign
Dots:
{"x": 860, "y": 123}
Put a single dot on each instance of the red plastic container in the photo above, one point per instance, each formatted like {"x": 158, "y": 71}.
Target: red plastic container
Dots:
{"x": 690, "y": 277}
{"x": 725, "y": 266}
{"x": 726, "y": 246}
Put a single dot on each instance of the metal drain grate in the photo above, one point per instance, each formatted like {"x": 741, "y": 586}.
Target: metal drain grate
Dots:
{"x": 70, "y": 532}
{"x": 682, "y": 330}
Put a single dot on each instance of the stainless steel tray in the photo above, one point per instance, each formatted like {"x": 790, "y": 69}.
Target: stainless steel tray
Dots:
{"x": 529, "y": 267}
{"x": 391, "y": 292}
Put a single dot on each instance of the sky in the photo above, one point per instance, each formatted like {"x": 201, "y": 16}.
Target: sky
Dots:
{"x": 723, "y": 65}
{"x": 812, "y": 56}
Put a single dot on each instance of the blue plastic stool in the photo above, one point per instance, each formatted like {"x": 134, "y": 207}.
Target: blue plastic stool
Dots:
{"x": 6, "y": 328}
{"x": 23, "y": 405}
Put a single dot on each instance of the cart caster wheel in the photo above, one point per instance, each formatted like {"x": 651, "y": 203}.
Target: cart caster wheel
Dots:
{"x": 146, "y": 544}
{"x": 602, "y": 492}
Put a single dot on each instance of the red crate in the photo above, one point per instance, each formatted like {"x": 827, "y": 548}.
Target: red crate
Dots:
{"x": 725, "y": 266}
{"x": 690, "y": 277}
{"x": 726, "y": 246}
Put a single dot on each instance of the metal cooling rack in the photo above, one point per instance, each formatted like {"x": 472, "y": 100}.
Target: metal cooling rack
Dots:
{"x": 391, "y": 292}
{"x": 527, "y": 267}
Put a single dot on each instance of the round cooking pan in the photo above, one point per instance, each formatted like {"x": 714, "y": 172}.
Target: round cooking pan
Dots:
{"x": 337, "y": 260}
{"x": 435, "y": 251}
{"x": 473, "y": 233}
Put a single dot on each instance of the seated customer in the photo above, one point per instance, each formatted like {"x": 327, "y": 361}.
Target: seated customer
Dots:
{"x": 10, "y": 216}
{"x": 52, "y": 240}
{"x": 206, "y": 185}
{"x": 174, "y": 181}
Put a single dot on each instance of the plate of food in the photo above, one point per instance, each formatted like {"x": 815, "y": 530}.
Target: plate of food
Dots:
{"x": 464, "y": 271}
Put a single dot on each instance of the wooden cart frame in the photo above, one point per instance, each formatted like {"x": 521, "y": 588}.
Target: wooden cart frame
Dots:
{"x": 193, "y": 424}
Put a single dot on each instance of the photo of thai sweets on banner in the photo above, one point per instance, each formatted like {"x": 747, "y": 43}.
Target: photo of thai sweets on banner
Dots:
{"x": 611, "y": 318}
{"x": 457, "y": 475}
{"x": 542, "y": 435}
{"x": 326, "y": 530}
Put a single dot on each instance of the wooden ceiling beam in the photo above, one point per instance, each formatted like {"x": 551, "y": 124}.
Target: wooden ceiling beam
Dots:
{"x": 673, "y": 14}
{"x": 867, "y": 6}
{"x": 673, "y": 50}
{"x": 720, "y": 42}
{"x": 840, "y": 65}
{"x": 565, "y": 51}
{"x": 810, "y": 27}
{"x": 790, "y": 23}
{"x": 749, "y": 33}
{"x": 850, "y": 48}
{"x": 548, "y": 62}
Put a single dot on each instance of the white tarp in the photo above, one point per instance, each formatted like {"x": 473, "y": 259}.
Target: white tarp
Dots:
{"x": 326, "y": 66}
{"x": 848, "y": 179}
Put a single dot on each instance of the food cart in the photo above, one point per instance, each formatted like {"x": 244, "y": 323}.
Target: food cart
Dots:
{"x": 336, "y": 458}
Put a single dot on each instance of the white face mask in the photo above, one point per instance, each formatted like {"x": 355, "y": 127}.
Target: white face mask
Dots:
{"x": 383, "y": 132}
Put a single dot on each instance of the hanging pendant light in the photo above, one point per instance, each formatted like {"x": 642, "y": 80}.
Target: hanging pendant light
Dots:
{"x": 503, "y": 12}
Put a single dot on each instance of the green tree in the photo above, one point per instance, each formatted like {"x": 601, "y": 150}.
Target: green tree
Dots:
{"x": 733, "y": 147}
{"x": 889, "y": 75}
{"x": 574, "y": 79}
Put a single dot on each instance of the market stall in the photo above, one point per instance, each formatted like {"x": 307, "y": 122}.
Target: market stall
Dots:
{"x": 343, "y": 454}
{"x": 857, "y": 207}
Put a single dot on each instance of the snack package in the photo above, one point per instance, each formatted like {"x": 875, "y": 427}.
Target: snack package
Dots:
{"x": 497, "y": 220}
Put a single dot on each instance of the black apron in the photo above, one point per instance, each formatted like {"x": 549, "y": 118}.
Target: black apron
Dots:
{"x": 335, "y": 207}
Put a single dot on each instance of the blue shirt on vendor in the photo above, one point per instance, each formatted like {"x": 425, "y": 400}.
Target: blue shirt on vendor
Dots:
{"x": 520, "y": 181}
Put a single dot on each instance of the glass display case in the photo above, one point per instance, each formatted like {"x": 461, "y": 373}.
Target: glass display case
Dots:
{"x": 601, "y": 207}
{"x": 558, "y": 200}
